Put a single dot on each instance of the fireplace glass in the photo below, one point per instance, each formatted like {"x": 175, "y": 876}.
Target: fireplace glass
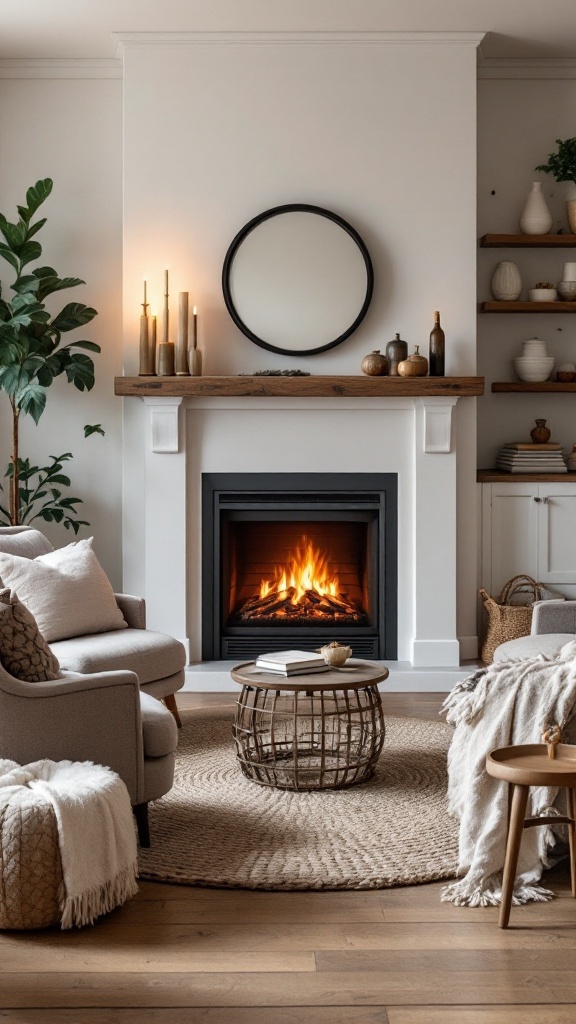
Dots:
{"x": 296, "y": 560}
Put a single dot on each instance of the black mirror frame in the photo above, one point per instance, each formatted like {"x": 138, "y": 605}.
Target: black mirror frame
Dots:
{"x": 237, "y": 242}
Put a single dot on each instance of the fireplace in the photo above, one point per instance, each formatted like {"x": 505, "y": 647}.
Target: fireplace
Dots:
{"x": 296, "y": 560}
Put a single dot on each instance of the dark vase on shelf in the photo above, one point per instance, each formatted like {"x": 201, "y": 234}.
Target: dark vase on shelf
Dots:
{"x": 436, "y": 353}
{"x": 540, "y": 434}
{"x": 396, "y": 351}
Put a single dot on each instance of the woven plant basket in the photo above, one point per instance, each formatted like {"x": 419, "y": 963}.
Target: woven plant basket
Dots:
{"x": 509, "y": 619}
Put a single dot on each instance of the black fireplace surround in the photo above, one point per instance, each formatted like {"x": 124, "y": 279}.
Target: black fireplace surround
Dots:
{"x": 254, "y": 522}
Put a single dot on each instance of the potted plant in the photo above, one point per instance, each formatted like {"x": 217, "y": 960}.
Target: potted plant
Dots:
{"x": 562, "y": 165}
{"x": 543, "y": 291}
{"x": 32, "y": 355}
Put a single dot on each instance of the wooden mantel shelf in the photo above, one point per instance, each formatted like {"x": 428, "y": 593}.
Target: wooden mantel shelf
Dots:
{"x": 315, "y": 386}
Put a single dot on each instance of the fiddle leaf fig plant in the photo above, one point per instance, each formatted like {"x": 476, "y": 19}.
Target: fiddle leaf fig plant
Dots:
{"x": 32, "y": 354}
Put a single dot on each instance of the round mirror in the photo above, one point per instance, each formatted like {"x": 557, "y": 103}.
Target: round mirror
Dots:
{"x": 297, "y": 279}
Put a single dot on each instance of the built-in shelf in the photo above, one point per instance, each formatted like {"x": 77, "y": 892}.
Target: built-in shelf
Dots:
{"x": 314, "y": 386}
{"x": 550, "y": 386}
{"x": 528, "y": 241}
{"x": 527, "y": 307}
{"x": 496, "y": 476}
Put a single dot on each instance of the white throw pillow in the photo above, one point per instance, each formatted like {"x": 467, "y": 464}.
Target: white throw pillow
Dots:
{"x": 66, "y": 590}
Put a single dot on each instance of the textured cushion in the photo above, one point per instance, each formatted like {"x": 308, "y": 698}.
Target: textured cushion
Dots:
{"x": 66, "y": 590}
{"x": 549, "y": 644}
{"x": 151, "y": 655}
{"x": 158, "y": 727}
{"x": 24, "y": 652}
{"x": 30, "y": 867}
{"x": 24, "y": 541}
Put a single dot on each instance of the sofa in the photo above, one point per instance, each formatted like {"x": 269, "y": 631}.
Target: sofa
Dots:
{"x": 553, "y": 625}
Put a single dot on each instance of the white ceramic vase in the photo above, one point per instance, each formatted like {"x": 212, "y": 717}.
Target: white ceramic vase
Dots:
{"x": 535, "y": 218}
{"x": 506, "y": 283}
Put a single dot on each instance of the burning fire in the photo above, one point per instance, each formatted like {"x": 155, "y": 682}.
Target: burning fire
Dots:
{"x": 307, "y": 570}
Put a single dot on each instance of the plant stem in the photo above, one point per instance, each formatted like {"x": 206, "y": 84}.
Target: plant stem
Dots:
{"x": 15, "y": 490}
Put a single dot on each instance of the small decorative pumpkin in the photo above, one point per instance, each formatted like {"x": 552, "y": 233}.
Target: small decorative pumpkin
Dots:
{"x": 415, "y": 366}
{"x": 375, "y": 364}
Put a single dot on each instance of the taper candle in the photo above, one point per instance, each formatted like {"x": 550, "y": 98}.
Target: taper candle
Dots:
{"x": 166, "y": 313}
{"x": 152, "y": 342}
{"x": 195, "y": 327}
{"x": 194, "y": 353}
{"x": 181, "y": 353}
{"x": 147, "y": 368}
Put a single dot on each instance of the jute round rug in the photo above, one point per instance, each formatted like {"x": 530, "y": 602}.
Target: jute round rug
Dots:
{"x": 216, "y": 828}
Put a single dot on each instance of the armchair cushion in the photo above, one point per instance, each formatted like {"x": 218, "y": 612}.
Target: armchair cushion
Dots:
{"x": 24, "y": 652}
{"x": 159, "y": 728}
{"x": 66, "y": 590}
{"x": 151, "y": 655}
{"x": 549, "y": 644}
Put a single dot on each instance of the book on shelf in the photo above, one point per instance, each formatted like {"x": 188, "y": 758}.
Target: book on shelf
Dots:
{"x": 289, "y": 663}
{"x": 529, "y": 446}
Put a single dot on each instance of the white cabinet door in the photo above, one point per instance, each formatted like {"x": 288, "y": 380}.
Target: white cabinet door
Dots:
{"x": 509, "y": 533}
{"x": 557, "y": 533}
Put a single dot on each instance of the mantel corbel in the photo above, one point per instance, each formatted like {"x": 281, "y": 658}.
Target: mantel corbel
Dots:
{"x": 437, "y": 424}
{"x": 164, "y": 424}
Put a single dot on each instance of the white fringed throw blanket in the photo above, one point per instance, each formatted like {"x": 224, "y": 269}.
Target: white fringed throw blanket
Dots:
{"x": 95, "y": 832}
{"x": 506, "y": 703}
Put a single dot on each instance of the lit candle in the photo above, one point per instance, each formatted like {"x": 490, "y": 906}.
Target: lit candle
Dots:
{"x": 194, "y": 354}
{"x": 166, "y": 313}
{"x": 147, "y": 362}
{"x": 195, "y": 327}
{"x": 181, "y": 354}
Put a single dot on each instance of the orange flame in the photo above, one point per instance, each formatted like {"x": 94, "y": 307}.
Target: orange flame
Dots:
{"x": 307, "y": 569}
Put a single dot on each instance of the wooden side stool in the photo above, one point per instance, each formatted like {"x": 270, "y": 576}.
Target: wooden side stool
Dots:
{"x": 524, "y": 766}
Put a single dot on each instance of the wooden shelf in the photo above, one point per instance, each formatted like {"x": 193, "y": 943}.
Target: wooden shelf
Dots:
{"x": 528, "y": 241}
{"x": 315, "y": 386}
{"x": 496, "y": 476}
{"x": 527, "y": 307}
{"x": 554, "y": 387}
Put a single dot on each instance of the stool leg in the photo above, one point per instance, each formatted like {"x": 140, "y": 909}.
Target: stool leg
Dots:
{"x": 519, "y": 801}
{"x": 571, "y": 811}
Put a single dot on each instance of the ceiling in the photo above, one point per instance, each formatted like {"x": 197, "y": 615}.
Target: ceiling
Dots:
{"x": 85, "y": 28}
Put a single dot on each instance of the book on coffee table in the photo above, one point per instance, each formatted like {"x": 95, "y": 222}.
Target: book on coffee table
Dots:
{"x": 287, "y": 663}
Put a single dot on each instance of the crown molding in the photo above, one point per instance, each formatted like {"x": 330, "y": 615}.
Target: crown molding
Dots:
{"x": 291, "y": 38}
{"x": 60, "y": 67}
{"x": 526, "y": 68}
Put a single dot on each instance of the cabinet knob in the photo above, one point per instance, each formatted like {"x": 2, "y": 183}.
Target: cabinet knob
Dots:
{"x": 538, "y": 499}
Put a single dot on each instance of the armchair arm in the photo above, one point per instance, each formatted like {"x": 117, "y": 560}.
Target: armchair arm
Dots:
{"x": 78, "y": 718}
{"x": 554, "y": 617}
{"x": 133, "y": 609}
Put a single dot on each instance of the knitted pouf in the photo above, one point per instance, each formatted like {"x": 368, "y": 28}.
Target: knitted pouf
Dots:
{"x": 30, "y": 865}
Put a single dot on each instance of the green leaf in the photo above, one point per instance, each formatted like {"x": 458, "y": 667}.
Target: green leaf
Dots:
{"x": 80, "y": 371}
{"x": 75, "y": 314}
{"x": 15, "y": 234}
{"x": 93, "y": 428}
{"x": 9, "y": 256}
{"x": 36, "y": 195}
{"x": 10, "y": 378}
{"x": 32, "y": 400}
{"x": 90, "y": 346}
{"x": 29, "y": 251}
{"x": 52, "y": 283}
{"x": 33, "y": 229}
{"x": 27, "y": 283}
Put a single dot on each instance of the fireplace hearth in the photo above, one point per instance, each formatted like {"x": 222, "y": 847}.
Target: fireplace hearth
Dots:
{"x": 296, "y": 560}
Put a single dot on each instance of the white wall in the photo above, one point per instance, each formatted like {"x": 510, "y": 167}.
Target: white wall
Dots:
{"x": 383, "y": 133}
{"x": 71, "y": 131}
{"x": 518, "y": 123}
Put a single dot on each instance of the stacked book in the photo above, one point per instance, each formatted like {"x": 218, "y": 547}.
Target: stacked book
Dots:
{"x": 520, "y": 457}
{"x": 291, "y": 663}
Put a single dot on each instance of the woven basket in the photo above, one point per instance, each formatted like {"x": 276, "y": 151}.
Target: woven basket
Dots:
{"x": 508, "y": 620}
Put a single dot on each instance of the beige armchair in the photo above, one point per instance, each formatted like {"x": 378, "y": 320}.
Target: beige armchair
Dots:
{"x": 102, "y": 717}
{"x": 157, "y": 659}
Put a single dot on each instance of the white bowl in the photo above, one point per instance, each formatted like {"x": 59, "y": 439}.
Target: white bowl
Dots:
{"x": 533, "y": 369}
{"x": 542, "y": 295}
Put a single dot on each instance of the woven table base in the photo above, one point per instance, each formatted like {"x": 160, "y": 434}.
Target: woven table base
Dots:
{"x": 216, "y": 828}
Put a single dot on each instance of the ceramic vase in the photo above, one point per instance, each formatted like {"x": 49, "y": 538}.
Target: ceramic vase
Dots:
{"x": 571, "y": 214}
{"x": 535, "y": 218}
{"x": 540, "y": 434}
{"x": 506, "y": 282}
{"x": 572, "y": 460}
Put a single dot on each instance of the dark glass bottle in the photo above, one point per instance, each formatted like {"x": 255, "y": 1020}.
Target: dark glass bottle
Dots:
{"x": 437, "y": 348}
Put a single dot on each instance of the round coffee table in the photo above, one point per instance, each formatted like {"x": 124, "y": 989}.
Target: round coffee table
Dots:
{"x": 322, "y": 730}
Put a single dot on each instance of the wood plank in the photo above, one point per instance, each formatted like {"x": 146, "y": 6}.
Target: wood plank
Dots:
{"x": 555, "y": 387}
{"x": 499, "y": 241}
{"x": 509, "y": 306}
{"x": 482, "y": 1015}
{"x": 365, "y": 988}
{"x": 446, "y": 960}
{"x": 314, "y": 386}
{"x": 495, "y": 476}
{"x": 202, "y": 1015}
{"x": 256, "y": 908}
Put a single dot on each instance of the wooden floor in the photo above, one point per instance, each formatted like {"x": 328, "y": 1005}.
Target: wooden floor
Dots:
{"x": 181, "y": 955}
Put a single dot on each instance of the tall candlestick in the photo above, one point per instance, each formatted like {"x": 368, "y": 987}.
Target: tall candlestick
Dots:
{"x": 166, "y": 313}
{"x": 152, "y": 342}
{"x": 195, "y": 327}
{"x": 147, "y": 360}
{"x": 194, "y": 354}
{"x": 181, "y": 353}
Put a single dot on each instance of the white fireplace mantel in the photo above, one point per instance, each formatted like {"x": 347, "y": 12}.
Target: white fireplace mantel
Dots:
{"x": 413, "y": 437}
